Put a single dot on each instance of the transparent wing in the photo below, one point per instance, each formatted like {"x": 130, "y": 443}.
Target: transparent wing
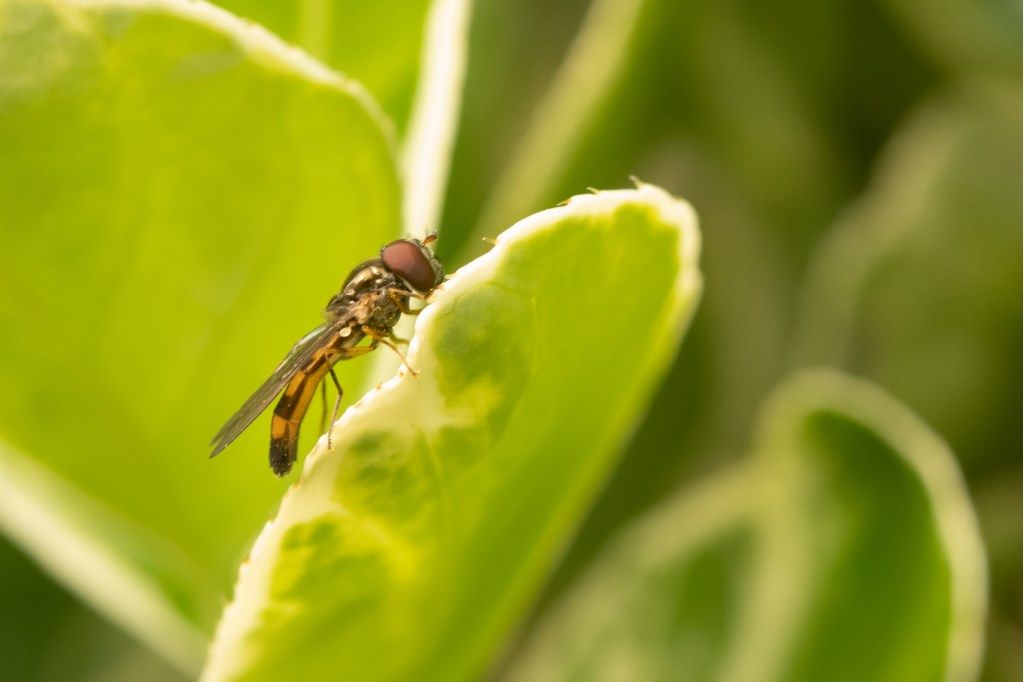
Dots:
{"x": 298, "y": 357}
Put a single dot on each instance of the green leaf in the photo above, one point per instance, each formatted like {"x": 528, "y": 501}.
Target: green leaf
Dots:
{"x": 594, "y": 62}
{"x": 918, "y": 289}
{"x": 896, "y": 291}
{"x": 845, "y": 549}
{"x": 410, "y": 55}
{"x": 418, "y": 542}
{"x": 179, "y": 195}
{"x": 966, "y": 38}
{"x": 430, "y": 140}
{"x": 650, "y": 86}
{"x": 379, "y": 44}
{"x": 661, "y": 601}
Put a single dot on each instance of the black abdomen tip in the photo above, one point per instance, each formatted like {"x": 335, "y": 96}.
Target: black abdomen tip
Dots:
{"x": 282, "y": 454}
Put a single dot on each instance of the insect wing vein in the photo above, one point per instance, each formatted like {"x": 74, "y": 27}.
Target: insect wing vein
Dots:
{"x": 297, "y": 358}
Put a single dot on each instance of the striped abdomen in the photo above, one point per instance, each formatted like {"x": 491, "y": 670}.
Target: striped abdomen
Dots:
{"x": 299, "y": 392}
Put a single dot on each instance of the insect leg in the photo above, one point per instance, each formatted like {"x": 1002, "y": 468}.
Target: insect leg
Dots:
{"x": 396, "y": 296}
{"x": 337, "y": 404}
{"x": 390, "y": 344}
{"x": 346, "y": 354}
{"x": 392, "y": 291}
{"x": 323, "y": 406}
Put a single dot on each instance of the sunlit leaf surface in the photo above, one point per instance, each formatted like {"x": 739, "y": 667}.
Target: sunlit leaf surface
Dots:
{"x": 458, "y": 488}
{"x": 377, "y": 43}
{"x": 180, "y": 194}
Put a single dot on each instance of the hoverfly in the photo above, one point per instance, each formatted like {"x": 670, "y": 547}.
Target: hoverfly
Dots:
{"x": 372, "y": 299}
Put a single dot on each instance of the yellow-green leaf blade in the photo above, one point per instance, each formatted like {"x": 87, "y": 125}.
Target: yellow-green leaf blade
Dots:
{"x": 410, "y": 55}
{"x": 180, "y": 193}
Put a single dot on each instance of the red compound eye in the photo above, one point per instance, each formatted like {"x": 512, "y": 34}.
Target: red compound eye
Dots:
{"x": 413, "y": 263}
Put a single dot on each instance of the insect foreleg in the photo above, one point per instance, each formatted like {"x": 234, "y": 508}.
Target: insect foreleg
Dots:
{"x": 386, "y": 340}
{"x": 397, "y": 297}
{"x": 406, "y": 292}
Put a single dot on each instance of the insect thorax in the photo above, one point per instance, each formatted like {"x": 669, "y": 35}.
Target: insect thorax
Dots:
{"x": 366, "y": 277}
{"x": 365, "y": 297}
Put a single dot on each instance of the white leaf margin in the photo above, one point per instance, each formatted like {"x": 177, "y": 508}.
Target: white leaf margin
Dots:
{"x": 427, "y": 152}
{"x": 56, "y": 524}
{"x": 777, "y": 586}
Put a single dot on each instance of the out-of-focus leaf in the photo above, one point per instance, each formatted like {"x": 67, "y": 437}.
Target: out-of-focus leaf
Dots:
{"x": 179, "y": 195}
{"x": 409, "y": 54}
{"x": 918, "y": 288}
{"x": 765, "y": 118}
{"x": 968, "y": 38}
{"x": 416, "y": 545}
{"x": 48, "y": 634}
{"x": 871, "y": 553}
{"x": 427, "y": 153}
{"x": 745, "y": 109}
{"x": 846, "y": 549}
{"x": 770, "y": 119}
{"x": 506, "y": 76}
{"x": 380, "y": 44}
{"x": 594, "y": 63}
{"x": 661, "y": 602}
{"x": 134, "y": 578}
{"x": 652, "y": 87}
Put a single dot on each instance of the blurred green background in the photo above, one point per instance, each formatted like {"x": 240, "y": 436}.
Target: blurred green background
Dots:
{"x": 857, "y": 171}
{"x": 786, "y": 125}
